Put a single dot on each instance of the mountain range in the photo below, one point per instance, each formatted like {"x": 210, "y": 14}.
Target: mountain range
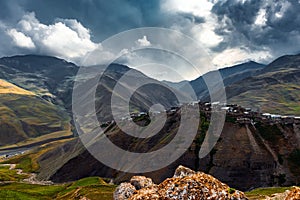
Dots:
{"x": 36, "y": 106}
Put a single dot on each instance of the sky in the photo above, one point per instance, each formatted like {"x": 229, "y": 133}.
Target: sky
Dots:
{"x": 230, "y": 31}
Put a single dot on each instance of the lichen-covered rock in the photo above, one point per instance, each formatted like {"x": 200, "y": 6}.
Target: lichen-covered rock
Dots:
{"x": 293, "y": 194}
{"x": 124, "y": 191}
{"x": 140, "y": 182}
{"x": 186, "y": 184}
{"x": 149, "y": 193}
{"x": 197, "y": 186}
{"x": 182, "y": 171}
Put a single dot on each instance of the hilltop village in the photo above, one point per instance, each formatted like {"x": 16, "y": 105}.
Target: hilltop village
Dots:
{"x": 234, "y": 113}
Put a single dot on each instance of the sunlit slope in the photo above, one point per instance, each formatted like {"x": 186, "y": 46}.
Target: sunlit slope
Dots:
{"x": 8, "y": 88}
{"x": 23, "y": 115}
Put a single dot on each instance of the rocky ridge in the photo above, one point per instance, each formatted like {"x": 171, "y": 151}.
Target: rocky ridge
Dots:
{"x": 185, "y": 184}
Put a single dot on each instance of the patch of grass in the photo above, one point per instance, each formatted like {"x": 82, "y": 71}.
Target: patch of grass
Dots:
{"x": 261, "y": 193}
{"x": 231, "y": 190}
{"x": 25, "y": 163}
{"x": 280, "y": 98}
{"x": 30, "y": 141}
{"x": 10, "y": 175}
{"x": 93, "y": 192}
{"x": 93, "y": 188}
{"x": 29, "y": 162}
{"x": 29, "y": 191}
{"x": 89, "y": 181}
{"x": 10, "y": 194}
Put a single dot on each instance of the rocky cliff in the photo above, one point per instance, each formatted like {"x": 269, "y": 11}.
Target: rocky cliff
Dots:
{"x": 251, "y": 152}
{"x": 185, "y": 184}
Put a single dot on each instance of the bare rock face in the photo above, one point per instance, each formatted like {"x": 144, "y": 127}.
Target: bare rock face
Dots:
{"x": 185, "y": 184}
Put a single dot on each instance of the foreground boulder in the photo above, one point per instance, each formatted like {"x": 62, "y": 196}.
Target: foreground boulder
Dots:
{"x": 292, "y": 194}
{"x": 185, "y": 184}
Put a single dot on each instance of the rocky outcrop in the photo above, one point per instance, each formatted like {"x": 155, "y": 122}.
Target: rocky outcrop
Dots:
{"x": 293, "y": 194}
{"x": 124, "y": 191}
{"x": 185, "y": 184}
{"x": 140, "y": 182}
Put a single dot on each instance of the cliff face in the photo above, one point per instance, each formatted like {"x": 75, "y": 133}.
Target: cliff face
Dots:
{"x": 256, "y": 155}
{"x": 250, "y": 153}
{"x": 240, "y": 159}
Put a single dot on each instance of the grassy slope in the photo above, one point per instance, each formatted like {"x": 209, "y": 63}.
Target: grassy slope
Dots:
{"x": 10, "y": 175}
{"x": 9, "y": 88}
{"x": 279, "y": 98}
{"x": 262, "y": 193}
{"x": 29, "y": 162}
{"x": 24, "y": 116}
{"x": 92, "y": 188}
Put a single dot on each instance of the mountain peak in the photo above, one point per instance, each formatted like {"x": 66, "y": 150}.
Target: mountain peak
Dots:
{"x": 29, "y": 57}
{"x": 284, "y": 62}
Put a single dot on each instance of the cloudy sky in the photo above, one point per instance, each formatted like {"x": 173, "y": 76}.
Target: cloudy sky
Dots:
{"x": 230, "y": 31}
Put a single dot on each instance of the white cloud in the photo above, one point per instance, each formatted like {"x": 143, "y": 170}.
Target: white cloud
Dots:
{"x": 284, "y": 7}
{"x": 66, "y": 38}
{"x": 261, "y": 18}
{"x": 77, "y": 27}
{"x": 143, "y": 42}
{"x": 20, "y": 39}
{"x": 234, "y": 56}
{"x": 199, "y": 8}
{"x": 203, "y": 32}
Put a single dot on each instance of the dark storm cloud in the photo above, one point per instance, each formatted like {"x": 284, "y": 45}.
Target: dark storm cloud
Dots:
{"x": 11, "y": 11}
{"x": 235, "y": 21}
{"x": 280, "y": 33}
{"x": 104, "y": 18}
{"x": 238, "y": 12}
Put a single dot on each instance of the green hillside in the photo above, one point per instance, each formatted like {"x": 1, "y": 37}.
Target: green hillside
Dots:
{"x": 276, "y": 89}
{"x": 24, "y": 116}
